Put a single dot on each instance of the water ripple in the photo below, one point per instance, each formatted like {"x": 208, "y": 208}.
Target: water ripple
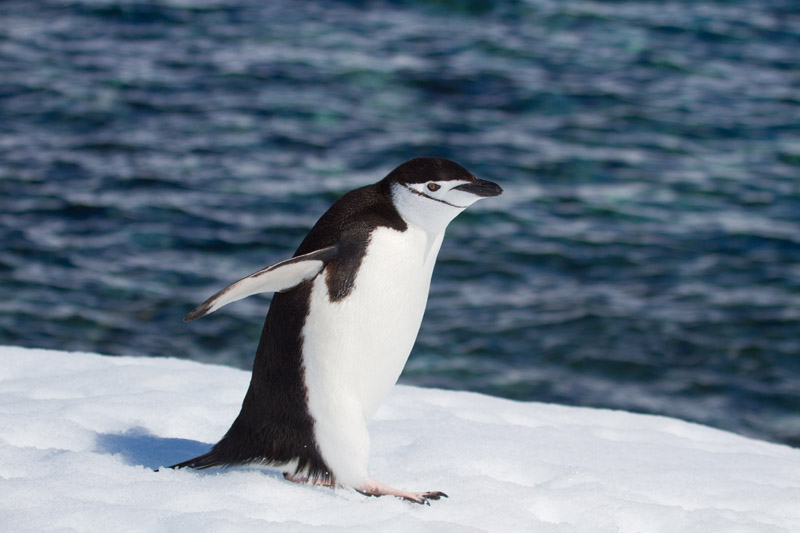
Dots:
{"x": 643, "y": 257}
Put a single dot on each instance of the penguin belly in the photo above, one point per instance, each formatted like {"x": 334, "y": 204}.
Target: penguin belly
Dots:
{"x": 354, "y": 349}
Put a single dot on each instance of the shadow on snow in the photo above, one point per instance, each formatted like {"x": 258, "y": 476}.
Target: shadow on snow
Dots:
{"x": 138, "y": 447}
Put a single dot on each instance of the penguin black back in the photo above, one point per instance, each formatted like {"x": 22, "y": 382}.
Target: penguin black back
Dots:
{"x": 274, "y": 425}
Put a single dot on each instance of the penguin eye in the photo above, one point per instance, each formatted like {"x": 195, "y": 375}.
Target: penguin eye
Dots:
{"x": 434, "y": 186}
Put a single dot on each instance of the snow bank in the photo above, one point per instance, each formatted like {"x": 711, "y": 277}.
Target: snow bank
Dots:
{"x": 81, "y": 433}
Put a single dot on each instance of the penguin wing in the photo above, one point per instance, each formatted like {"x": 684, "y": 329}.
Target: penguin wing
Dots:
{"x": 274, "y": 278}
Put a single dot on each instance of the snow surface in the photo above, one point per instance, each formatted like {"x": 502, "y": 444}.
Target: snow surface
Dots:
{"x": 80, "y": 435}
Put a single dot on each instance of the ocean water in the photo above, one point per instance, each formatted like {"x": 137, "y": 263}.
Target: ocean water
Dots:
{"x": 645, "y": 255}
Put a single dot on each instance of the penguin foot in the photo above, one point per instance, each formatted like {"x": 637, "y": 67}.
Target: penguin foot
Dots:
{"x": 375, "y": 488}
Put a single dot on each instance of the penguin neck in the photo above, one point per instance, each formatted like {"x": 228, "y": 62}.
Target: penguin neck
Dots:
{"x": 433, "y": 242}
{"x": 432, "y": 246}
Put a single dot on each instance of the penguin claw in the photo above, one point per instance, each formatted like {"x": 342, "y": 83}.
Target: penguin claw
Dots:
{"x": 426, "y": 497}
{"x": 434, "y": 495}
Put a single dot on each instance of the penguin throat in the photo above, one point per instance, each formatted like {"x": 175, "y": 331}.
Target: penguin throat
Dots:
{"x": 416, "y": 209}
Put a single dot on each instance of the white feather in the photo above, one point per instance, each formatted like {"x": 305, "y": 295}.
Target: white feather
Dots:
{"x": 278, "y": 277}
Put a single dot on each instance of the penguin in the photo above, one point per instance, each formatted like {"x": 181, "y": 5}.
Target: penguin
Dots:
{"x": 346, "y": 312}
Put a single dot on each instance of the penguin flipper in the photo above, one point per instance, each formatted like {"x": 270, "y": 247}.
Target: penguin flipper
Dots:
{"x": 274, "y": 278}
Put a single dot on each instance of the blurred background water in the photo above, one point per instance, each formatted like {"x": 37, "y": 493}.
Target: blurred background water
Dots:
{"x": 645, "y": 255}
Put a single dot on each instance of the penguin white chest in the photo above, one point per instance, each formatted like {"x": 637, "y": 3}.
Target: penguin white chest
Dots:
{"x": 354, "y": 349}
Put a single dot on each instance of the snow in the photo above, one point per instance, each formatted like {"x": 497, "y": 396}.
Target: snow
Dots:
{"x": 80, "y": 435}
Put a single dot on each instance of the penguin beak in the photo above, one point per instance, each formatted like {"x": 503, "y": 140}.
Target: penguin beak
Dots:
{"x": 480, "y": 188}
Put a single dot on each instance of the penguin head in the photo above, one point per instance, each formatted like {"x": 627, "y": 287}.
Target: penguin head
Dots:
{"x": 429, "y": 192}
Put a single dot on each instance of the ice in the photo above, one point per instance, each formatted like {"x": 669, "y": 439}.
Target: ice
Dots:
{"x": 80, "y": 435}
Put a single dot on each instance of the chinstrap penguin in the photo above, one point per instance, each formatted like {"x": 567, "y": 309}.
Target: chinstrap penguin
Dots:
{"x": 346, "y": 313}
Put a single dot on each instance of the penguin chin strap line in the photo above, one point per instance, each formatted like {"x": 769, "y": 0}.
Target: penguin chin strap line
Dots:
{"x": 432, "y": 198}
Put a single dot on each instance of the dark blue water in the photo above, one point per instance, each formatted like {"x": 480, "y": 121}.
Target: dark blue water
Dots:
{"x": 645, "y": 256}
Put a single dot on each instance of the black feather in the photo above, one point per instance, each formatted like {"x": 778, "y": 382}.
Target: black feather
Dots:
{"x": 274, "y": 425}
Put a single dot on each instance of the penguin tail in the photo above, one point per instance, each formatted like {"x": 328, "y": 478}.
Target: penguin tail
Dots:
{"x": 207, "y": 460}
